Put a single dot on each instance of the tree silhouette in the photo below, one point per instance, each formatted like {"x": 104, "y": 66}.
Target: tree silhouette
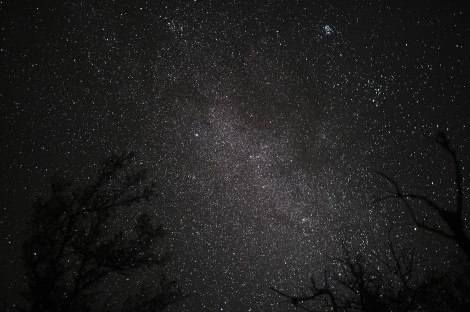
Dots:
{"x": 74, "y": 244}
{"x": 390, "y": 282}
{"x": 355, "y": 282}
{"x": 451, "y": 218}
{"x": 395, "y": 281}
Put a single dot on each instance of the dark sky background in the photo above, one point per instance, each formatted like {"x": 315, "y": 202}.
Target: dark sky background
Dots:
{"x": 263, "y": 122}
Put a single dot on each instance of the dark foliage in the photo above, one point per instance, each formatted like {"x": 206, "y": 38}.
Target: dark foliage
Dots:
{"x": 74, "y": 244}
{"x": 395, "y": 281}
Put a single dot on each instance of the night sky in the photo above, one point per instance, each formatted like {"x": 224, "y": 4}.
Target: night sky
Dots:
{"x": 263, "y": 123}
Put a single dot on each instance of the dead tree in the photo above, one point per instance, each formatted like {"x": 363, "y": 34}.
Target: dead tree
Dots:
{"x": 393, "y": 282}
{"x": 354, "y": 282}
{"x": 452, "y": 218}
{"x": 73, "y": 243}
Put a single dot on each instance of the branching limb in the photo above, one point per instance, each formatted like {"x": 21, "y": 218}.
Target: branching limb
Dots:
{"x": 452, "y": 218}
{"x": 404, "y": 198}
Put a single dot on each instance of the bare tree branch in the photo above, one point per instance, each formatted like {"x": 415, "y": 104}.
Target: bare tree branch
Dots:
{"x": 453, "y": 219}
